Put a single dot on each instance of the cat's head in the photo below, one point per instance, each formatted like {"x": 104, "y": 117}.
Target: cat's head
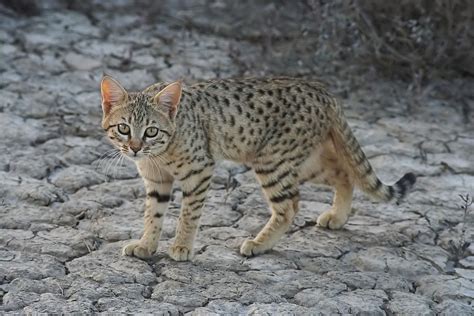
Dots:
{"x": 139, "y": 124}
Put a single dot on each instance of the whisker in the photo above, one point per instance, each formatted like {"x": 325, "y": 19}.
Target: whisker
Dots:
{"x": 155, "y": 165}
{"x": 118, "y": 165}
{"x": 108, "y": 152}
{"x": 107, "y": 160}
{"x": 106, "y": 155}
{"x": 110, "y": 165}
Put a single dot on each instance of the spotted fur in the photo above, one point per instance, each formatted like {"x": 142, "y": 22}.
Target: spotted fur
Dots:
{"x": 288, "y": 131}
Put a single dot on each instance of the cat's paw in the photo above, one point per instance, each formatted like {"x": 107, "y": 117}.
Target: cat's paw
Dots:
{"x": 137, "y": 249}
{"x": 180, "y": 253}
{"x": 331, "y": 220}
{"x": 250, "y": 248}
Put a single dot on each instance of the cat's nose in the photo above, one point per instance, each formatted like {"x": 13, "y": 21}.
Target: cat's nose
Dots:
{"x": 135, "y": 146}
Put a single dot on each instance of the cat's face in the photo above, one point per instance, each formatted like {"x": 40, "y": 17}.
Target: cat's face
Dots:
{"x": 138, "y": 124}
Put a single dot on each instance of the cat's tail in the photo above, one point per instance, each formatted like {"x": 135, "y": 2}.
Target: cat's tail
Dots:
{"x": 359, "y": 166}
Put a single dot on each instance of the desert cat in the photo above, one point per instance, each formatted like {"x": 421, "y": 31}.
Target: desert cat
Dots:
{"x": 287, "y": 130}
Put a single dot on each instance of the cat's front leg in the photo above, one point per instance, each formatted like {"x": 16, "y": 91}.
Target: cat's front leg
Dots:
{"x": 158, "y": 193}
{"x": 195, "y": 184}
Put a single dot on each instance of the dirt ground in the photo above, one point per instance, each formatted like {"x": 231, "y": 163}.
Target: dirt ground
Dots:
{"x": 66, "y": 211}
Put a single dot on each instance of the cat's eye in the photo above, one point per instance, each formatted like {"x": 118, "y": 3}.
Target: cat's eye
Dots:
{"x": 151, "y": 131}
{"x": 123, "y": 129}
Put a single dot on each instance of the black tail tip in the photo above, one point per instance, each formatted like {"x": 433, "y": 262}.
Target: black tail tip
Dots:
{"x": 408, "y": 179}
{"x": 403, "y": 185}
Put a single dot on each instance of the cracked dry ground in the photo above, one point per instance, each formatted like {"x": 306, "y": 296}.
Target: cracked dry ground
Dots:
{"x": 65, "y": 213}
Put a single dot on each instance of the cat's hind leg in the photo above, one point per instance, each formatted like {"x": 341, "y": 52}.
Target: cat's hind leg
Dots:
{"x": 280, "y": 186}
{"x": 325, "y": 167}
{"x": 338, "y": 214}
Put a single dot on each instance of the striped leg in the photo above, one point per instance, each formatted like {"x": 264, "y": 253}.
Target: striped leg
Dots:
{"x": 156, "y": 204}
{"x": 194, "y": 188}
{"x": 281, "y": 189}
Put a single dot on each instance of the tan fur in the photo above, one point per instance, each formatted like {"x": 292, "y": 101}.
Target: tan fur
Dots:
{"x": 287, "y": 130}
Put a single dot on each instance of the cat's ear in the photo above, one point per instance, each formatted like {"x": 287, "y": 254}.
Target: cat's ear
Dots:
{"x": 169, "y": 97}
{"x": 112, "y": 93}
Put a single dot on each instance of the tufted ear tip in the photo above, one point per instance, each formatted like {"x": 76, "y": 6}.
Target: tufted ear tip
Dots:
{"x": 169, "y": 97}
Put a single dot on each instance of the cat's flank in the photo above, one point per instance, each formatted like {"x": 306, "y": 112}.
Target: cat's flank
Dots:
{"x": 287, "y": 130}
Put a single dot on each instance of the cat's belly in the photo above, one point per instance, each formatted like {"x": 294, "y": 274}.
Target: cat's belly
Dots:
{"x": 239, "y": 154}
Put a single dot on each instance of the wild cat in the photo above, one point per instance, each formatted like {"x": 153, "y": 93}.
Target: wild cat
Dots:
{"x": 287, "y": 130}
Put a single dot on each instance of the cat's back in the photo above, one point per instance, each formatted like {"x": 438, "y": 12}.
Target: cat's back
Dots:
{"x": 252, "y": 115}
{"x": 278, "y": 97}
{"x": 249, "y": 88}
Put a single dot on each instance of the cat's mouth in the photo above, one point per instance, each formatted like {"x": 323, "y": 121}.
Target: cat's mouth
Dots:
{"x": 134, "y": 156}
{"x": 144, "y": 153}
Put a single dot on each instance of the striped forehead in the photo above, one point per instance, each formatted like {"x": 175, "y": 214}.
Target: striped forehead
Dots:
{"x": 140, "y": 107}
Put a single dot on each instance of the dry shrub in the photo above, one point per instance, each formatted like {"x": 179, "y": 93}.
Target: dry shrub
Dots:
{"x": 22, "y": 7}
{"x": 415, "y": 39}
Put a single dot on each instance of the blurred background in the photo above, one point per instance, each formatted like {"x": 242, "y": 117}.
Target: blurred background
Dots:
{"x": 418, "y": 42}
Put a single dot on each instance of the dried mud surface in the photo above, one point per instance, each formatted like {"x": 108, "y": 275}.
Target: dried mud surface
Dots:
{"x": 65, "y": 211}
